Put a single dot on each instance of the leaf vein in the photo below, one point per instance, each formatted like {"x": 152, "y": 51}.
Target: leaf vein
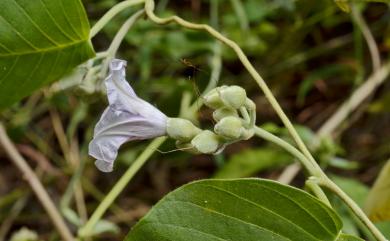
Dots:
{"x": 35, "y": 24}
{"x": 56, "y": 23}
{"x": 231, "y": 217}
{"x": 5, "y": 47}
{"x": 33, "y": 71}
{"x": 19, "y": 34}
{"x": 302, "y": 207}
{"x": 261, "y": 207}
{"x": 69, "y": 22}
{"x": 80, "y": 16}
{"x": 54, "y": 63}
{"x": 59, "y": 47}
{"x": 9, "y": 71}
{"x": 188, "y": 228}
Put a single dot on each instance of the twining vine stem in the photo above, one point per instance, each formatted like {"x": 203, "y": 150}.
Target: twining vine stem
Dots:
{"x": 318, "y": 177}
{"x": 380, "y": 73}
{"x": 314, "y": 169}
{"x": 285, "y": 145}
{"x": 120, "y": 35}
{"x": 112, "y": 13}
{"x": 149, "y": 7}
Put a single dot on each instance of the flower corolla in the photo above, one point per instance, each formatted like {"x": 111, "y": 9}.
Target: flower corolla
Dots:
{"x": 127, "y": 118}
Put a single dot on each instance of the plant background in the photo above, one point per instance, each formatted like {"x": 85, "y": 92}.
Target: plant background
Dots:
{"x": 311, "y": 54}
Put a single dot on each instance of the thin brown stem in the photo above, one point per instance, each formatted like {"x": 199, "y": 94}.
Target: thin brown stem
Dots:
{"x": 329, "y": 127}
{"x": 36, "y": 185}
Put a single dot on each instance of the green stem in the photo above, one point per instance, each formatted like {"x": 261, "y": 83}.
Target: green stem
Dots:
{"x": 327, "y": 183}
{"x": 288, "y": 147}
{"x": 112, "y": 13}
{"x": 312, "y": 184}
{"x": 116, "y": 42}
{"x": 372, "y": 45}
{"x": 149, "y": 7}
{"x": 304, "y": 154}
{"x": 241, "y": 15}
{"x": 214, "y": 13}
{"x": 162, "y": 5}
{"x": 87, "y": 230}
{"x": 120, "y": 35}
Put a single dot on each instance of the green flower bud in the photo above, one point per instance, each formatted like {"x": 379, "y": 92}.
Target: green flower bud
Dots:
{"x": 229, "y": 127}
{"x": 233, "y": 96}
{"x": 250, "y": 105}
{"x": 247, "y": 134}
{"x": 213, "y": 99}
{"x": 206, "y": 142}
{"x": 224, "y": 112}
{"x": 181, "y": 129}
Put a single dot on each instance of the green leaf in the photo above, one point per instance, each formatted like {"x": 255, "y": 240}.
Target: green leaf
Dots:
{"x": 40, "y": 41}
{"x": 355, "y": 189}
{"x": 347, "y": 237}
{"x": 342, "y": 163}
{"x": 239, "y": 210}
{"x": 248, "y": 162}
{"x": 104, "y": 226}
{"x": 377, "y": 205}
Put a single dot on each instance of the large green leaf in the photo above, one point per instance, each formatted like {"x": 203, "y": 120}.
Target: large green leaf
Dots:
{"x": 40, "y": 41}
{"x": 239, "y": 210}
{"x": 355, "y": 189}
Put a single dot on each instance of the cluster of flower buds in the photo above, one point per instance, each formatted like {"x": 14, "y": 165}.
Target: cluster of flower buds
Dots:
{"x": 235, "y": 117}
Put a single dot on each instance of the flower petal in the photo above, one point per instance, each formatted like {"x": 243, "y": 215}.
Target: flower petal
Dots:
{"x": 104, "y": 166}
{"x": 122, "y": 97}
{"x": 127, "y": 118}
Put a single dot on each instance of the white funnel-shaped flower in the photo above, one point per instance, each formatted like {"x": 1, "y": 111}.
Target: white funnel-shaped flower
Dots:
{"x": 126, "y": 118}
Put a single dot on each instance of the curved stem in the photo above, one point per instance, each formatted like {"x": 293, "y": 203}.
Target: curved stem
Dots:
{"x": 214, "y": 13}
{"x": 116, "y": 42}
{"x": 328, "y": 128}
{"x": 288, "y": 147}
{"x": 304, "y": 156}
{"x": 372, "y": 46}
{"x": 358, "y": 96}
{"x": 326, "y": 182}
{"x": 112, "y": 13}
{"x": 312, "y": 184}
{"x": 119, "y": 36}
{"x": 119, "y": 186}
{"x": 321, "y": 180}
{"x": 240, "y": 12}
{"x": 149, "y": 7}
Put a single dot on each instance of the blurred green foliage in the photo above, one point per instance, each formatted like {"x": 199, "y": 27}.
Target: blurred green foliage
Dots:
{"x": 310, "y": 53}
